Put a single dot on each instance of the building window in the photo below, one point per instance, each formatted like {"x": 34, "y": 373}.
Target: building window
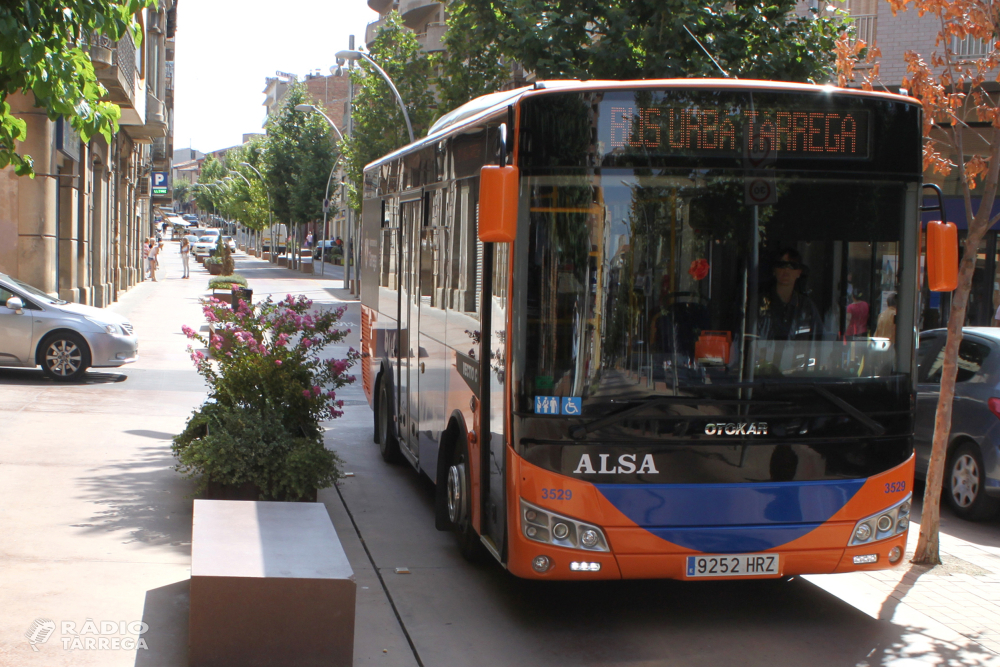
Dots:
{"x": 970, "y": 47}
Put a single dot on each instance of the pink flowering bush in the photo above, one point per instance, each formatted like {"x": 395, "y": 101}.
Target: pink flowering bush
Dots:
{"x": 268, "y": 360}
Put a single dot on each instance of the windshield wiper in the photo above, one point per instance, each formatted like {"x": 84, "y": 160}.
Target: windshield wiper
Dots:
{"x": 875, "y": 427}
{"x": 582, "y": 430}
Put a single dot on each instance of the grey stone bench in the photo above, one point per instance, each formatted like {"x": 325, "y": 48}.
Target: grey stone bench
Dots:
{"x": 270, "y": 585}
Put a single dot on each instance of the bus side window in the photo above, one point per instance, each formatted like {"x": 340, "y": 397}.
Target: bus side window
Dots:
{"x": 466, "y": 255}
{"x": 388, "y": 276}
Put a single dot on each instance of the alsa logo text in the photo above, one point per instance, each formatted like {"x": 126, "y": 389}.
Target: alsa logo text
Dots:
{"x": 626, "y": 465}
{"x": 741, "y": 428}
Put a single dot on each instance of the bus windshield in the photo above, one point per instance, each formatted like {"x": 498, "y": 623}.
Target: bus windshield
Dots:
{"x": 660, "y": 284}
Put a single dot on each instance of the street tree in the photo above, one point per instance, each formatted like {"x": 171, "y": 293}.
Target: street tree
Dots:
{"x": 645, "y": 39}
{"x": 209, "y": 197}
{"x": 379, "y": 127}
{"x": 249, "y": 196}
{"x": 44, "y": 52}
{"x": 961, "y": 132}
{"x": 297, "y": 157}
{"x": 471, "y": 63}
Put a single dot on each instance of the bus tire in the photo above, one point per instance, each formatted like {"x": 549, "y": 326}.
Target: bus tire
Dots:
{"x": 458, "y": 497}
{"x": 965, "y": 484}
{"x": 375, "y": 405}
{"x": 387, "y": 443}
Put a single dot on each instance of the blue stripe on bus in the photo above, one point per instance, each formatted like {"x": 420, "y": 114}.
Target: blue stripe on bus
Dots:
{"x": 731, "y": 518}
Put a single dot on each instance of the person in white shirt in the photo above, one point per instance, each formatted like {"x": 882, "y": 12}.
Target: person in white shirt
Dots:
{"x": 154, "y": 259}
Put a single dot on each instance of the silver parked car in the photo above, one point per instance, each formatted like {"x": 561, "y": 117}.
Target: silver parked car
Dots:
{"x": 63, "y": 338}
{"x": 972, "y": 473}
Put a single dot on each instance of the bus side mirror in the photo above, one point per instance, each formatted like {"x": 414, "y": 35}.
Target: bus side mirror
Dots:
{"x": 942, "y": 256}
{"x": 498, "y": 193}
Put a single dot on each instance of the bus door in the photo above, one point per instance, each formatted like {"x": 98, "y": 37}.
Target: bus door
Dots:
{"x": 494, "y": 354}
{"x": 409, "y": 323}
{"x": 432, "y": 354}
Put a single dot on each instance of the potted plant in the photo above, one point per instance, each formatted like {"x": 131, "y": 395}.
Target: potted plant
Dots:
{"x": 214, "y": 266}
{"x": 259, "y": 434}
{"x": 222, "y": 286}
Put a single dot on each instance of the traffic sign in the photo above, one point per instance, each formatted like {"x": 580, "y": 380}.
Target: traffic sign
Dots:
{"x": 159, "y": 183}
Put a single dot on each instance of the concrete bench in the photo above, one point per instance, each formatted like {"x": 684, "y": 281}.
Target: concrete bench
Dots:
{"x": 270, "y": 585}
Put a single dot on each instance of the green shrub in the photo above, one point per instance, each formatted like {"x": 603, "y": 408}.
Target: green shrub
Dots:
{"x": 223, "y": 282}
{"x": 213, "y": 260}
{"x": 270, "y": 387}
{"x": 236, "y": 444}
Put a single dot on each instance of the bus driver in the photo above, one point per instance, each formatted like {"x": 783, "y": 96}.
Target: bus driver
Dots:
{"x": 785, "y": 312}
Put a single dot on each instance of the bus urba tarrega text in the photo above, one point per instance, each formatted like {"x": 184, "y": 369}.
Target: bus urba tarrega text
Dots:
{"x": 615, "y": 323}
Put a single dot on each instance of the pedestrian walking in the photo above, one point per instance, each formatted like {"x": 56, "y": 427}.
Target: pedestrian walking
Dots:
{"x": 154, "y": 254}
{"x": 145, "y": 258}
{"x": 309, "y": 240}
{"x": 185, "y": 257}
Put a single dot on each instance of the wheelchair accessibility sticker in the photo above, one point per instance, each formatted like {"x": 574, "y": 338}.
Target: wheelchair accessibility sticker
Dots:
{"x": 554, "y": 405}
{"x": 571, "y": 405}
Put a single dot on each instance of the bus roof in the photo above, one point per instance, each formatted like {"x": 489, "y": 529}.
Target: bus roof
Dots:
{"x": 485, "y": 106}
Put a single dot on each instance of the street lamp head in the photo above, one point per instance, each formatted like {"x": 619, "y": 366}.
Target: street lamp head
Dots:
{"x": 305, "y": 108}
{"x": 347, "y": 54}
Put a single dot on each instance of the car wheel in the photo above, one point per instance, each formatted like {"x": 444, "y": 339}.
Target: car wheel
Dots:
{"x": 65, "y": 356}
{"x": 387, "y": 443}
{"x": 965, "y": 484}
{"x": 458, "y": 493}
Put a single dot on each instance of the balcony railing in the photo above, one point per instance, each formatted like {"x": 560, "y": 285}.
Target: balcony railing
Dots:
{"x": 116, "y": 68}
{"x": 970, "y": 47}
{"x": 864, "y": 27}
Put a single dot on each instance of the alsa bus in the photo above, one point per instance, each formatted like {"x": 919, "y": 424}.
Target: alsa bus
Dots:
{"x": 654, "y": 328}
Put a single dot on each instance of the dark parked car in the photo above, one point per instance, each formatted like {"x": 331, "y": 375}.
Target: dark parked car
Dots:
{"x": 972, "y": 472}
{"x": 329, "y": 248}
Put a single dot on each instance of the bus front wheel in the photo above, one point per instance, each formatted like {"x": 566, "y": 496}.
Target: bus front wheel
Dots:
{"x": 387, "y": 443}
{"x": 458, "y": 492}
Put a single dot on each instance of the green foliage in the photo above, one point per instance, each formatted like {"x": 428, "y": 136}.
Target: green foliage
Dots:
{"x": 298, "y": 156}
{"x": 269, "y": 390}
{"x": 644, "y": 39}
{"x": 223, "y": 282}
{"x": 379, "y": 127}
{"x": 247, "y": 199}
{"x": 236, "y": 445}
{"x": 225, "y": 257}
{"x": 43, "y": 51}
{"x": 209, "y": 195}
{"x": 470, "y": 65}
{"x": 182, "y": 192}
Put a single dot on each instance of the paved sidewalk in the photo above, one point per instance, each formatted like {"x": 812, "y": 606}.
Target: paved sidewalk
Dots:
{"x": 962, "y": 594}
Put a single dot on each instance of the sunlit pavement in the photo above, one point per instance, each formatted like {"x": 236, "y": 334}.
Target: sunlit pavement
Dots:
{"x": 95, "y": 523}
{"x": 962, "y": 594}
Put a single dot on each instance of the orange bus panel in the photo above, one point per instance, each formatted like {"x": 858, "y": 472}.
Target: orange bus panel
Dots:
{"x": 498, "y": 193}
{"x": 942, "y": 256}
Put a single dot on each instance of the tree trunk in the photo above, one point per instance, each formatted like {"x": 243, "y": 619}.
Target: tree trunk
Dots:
{"x": 927, "y": 552}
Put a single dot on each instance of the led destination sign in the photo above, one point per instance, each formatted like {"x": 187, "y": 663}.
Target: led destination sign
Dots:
{"x": 735, "y": 132}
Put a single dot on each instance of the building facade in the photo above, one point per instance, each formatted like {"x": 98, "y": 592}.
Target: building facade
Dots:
{"x": 75, "y": 230}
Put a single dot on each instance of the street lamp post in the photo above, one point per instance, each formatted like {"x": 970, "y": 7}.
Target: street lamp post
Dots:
{"x": 270, "y": 219}
{"x": 354, "y": 54}
{"x": 308, "y": 108}
{"x": 245, "y": 179}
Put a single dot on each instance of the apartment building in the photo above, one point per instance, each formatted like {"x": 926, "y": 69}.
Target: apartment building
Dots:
{"x": 75, "y": 230}
{"x": 426, "y": 18}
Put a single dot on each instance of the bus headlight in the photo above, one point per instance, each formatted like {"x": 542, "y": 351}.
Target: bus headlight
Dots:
{"x": 547, "y": 527}
{"x": 885, "y": 524}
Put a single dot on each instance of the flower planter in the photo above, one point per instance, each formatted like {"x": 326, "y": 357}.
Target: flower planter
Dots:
{"x": 245, "y": 491}
{"x": 214, "y": 268}
{"x": 306, "y": 267}
{"x": 223, "y": 296}
{"x": 282, "y": 261}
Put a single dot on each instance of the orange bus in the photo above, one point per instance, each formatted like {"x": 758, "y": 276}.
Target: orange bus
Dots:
{"x": 653, "y": 329}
